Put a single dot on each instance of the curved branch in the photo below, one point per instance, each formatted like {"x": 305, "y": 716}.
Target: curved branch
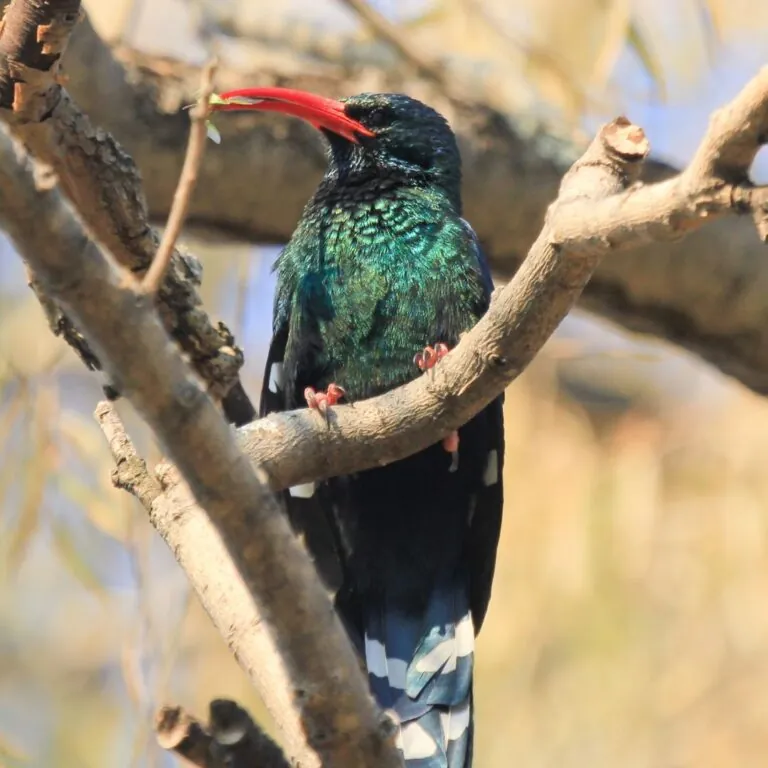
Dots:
{"x": 705, "y": 293}
{"x": 580, "y": 230}
{"x": 266, "y": 562}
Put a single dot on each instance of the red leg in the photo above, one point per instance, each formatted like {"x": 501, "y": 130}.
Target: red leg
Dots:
{"x": 451, "y": 442}
{"x": 320, "y": 401}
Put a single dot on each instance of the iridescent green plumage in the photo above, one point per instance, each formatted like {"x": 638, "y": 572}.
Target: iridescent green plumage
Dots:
{"x": 371, "y": 282}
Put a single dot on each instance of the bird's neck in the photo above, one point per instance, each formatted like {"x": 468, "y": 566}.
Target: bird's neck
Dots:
{"x": 355, "y": 193}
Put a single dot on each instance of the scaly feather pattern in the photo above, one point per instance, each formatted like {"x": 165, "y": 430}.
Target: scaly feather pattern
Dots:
{"x": 380, "y": 265}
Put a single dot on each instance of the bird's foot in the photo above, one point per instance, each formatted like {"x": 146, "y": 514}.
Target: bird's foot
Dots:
{"x": 320, "y": 401}
{"x": 429, "y": 357}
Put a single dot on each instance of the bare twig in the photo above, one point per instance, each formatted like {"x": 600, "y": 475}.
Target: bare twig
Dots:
{"x": 194, "y": 156}
{"x": 385, "y": 30}
{"x": 103, "y": 182}
{"x": 130, "y": 472}
{"x": 180, "y": 732}
{"x": 231, "y": 740}
{"x": 340, "y": 721}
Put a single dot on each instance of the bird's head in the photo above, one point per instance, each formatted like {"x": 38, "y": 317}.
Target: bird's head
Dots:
{"x": 382, "y": 134}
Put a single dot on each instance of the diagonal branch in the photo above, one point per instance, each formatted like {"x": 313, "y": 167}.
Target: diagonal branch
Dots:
{"x": 341, "y": 723}
{"x": 102, "y": 181}
{"x": 385, "y": 30}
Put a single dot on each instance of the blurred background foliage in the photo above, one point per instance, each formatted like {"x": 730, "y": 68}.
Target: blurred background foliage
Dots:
{"x": 629, "y": 624}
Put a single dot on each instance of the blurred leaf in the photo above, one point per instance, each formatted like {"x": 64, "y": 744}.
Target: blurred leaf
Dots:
{"x": 81, "y": 433}
{"x": 17, "y": 406}
{"x": 11, "y": 756}
{"x": 109, "y": 516}
{"x": 212, "y": 132}
{"x": 614, "y": 38}
{"x": 39, "y": 457}
{"x": 75, "y": 561}
{"x": 653, "y": 67}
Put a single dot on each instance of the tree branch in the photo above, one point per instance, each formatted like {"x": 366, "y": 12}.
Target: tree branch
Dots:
{"x": 202, "y": 555}
{"x": 297, "y": 447}
{"x": 706, "y": 293}
{"x": 231, "y": 740}
{"x": 324, "y": 681}
{"x": 104, "y": 184}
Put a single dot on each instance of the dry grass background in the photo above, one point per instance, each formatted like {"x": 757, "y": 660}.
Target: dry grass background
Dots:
{"x": 629, "y": 622}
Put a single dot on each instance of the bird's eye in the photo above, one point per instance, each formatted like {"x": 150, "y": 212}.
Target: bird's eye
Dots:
{"x": 376, "y": 118}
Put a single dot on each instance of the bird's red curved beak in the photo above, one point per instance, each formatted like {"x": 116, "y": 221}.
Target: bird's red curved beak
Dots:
{"x": 316, "y": 110}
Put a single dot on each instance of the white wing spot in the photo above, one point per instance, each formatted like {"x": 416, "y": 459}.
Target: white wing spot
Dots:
{"x": 304, "y": 491}
{"x": 491, "y": 474}
{"x": 275, "y": 377}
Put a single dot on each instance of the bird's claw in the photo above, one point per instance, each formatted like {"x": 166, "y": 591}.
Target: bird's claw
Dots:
{"x": 320, "y": 401}
{"x": 451, "y": 442}
{"x": 429, "y": 357}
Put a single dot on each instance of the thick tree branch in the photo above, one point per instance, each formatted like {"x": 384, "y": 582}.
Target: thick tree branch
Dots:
{"x": 104, "y": 184}
{"x": 706, "y": 293}
{"x": 342, "y": 724}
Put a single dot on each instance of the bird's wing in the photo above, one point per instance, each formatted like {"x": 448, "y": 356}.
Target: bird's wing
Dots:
{"x": 308, "y": 515}
{"x": 485, "y": 524}
{"x": 485, "y": 521}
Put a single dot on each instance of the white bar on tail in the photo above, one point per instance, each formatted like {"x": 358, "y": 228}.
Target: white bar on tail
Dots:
{"x": 415, "y": 742}
{"x": 379, "y": 665}
{"x": 455, "y": 721}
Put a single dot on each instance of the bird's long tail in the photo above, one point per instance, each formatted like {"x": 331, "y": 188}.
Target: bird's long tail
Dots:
{"x": 420, "y": 668}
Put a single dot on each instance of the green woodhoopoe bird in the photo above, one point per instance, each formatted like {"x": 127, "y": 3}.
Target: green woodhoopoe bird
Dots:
{"x": 380, "y": 265}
